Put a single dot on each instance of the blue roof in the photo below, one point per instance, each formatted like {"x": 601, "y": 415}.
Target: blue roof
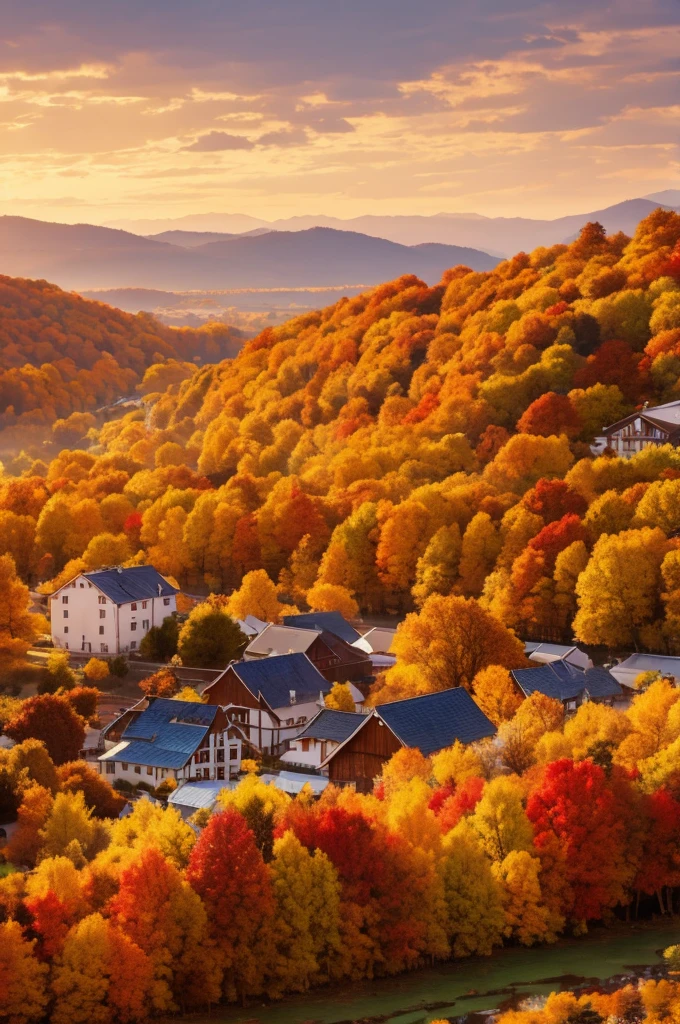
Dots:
{"x": 563, "y": 681}
{"x": 332, "y": 621}
{"x": 437, "y": 720}
{"x": 333, "y": 725}
{"x": 274, "y": 678}
{"x": 136, "y": 583}
{"x": 167, "y": 733}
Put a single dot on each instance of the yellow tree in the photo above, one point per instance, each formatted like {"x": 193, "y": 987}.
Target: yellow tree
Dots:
{"x": 22, "y": 977}
{"x": 71, "y": 830}
{"x": 107, "y": 549}
{"x": 408, "y": 763}
{"x": 569, "y": 565}
{"x": 329, "y": 597}
{"x": 496, "y": 693}
{"x": 96, "y": 670}
{"x": 17, "y": 535}
{"x": 25, "y": 842}
{"x": 619, "y": 590}
{"x": 294, "y": 961}
{"x": 475, "y": 917}
{"x": 437, "y": 567}
{"x": 652, "y": 726}
{"x": 455, "y": 764}
{"x": 500, "y": 819}
{"x": 592, "y": 724}
{"x": 18, "y": 626}
{"x": 324, "y": 919}
{"x": 151, "y": 825}
{"x": 480, "y": 548}
{"x": 340, "y": 698}
{"x": 257, "y": 596}
{"x": 449, "y": 641}
{"x": 526, "y": 918}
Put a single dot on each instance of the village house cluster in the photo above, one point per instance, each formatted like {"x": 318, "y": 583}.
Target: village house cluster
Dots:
{"x": 271, "y": 703}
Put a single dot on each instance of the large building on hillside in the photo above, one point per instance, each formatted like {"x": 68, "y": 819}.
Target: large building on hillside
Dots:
{"x": 107, "y": 612}
{"x": 657, "y": 425}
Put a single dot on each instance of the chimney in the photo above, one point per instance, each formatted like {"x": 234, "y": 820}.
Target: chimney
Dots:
{"x": 293, "y": 698}
{"x": 119, "y": 570}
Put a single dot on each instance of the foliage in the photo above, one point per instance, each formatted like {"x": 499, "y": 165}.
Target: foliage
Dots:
{"x": 210, "y": 638}
{"x": 340, "y": 698}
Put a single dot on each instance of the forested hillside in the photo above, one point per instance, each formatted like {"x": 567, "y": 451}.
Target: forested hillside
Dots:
{"x": 61, "y": 354}
{"x": 410, "y": 441}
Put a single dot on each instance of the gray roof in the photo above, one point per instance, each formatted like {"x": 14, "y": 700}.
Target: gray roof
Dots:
{"x": 564, "y": 681}
{"x": 164, "y": 735}
{"x": 198, "y": 794}
{"x": 333, "y": 725}
{"x": 278, "y": 640}
{"x": 332, "y": 621}
{"x": 636, "y": 663}
{"x": 136, "y": 583}
{"x": 274, "y": 678}
{"x": 436, "y": 720}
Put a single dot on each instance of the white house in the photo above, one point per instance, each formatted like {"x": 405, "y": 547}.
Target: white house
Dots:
{"x": 272, "y": 699}
{"x": 109, "y": 611}
{"x": 651, "y": 426}
{"x": 164, "y": 738}
{"x": 325, "y": 732}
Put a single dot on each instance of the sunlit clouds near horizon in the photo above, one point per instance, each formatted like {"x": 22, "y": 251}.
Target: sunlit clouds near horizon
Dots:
{"x": 115, "y": 112}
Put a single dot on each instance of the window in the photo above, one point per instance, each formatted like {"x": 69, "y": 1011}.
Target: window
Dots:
{"x": 65, "y": 614}
{"x": 104, "y": 648}
{"x": 66, "y": 629}
{"x": 305, "y": 746}
{"x": 82, "y": 585}
{"x": 74, "y": 583}
{"x": 166, "y": 600}
{"x": 206, "y": 773}
{"x": 124, "y": 766}
{"x": 302, "y": 719}
{"x": 290, "y": 721}
{"x": 102, "y": 613}
{"x": 204, "y": 756}
{"x": 220, "y": 773}
{"x": 149, "y": 770}
{"x": 133, "y": 606}
{"x": 102, "y": 600}
{"x": 145, "y": 623}
{"x": 220, "y": 755}
{"x": 144, "y": 604}
{"x": 66, "y": 646}
{"x": 138, "y": 770}
{"x": 110, "y": 767}
{"x": 64, "y": 600}
{"x": 101, "y": 631}
{"x": 133, "y": 626}
{"x": 133, "y": 645}
{"x": 233, "y": 753}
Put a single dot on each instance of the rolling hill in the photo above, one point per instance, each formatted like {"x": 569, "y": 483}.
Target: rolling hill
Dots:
{"x": 81, "y": 256}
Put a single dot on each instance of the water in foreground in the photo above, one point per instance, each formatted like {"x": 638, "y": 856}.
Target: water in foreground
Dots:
{"x": 445, "y": 991}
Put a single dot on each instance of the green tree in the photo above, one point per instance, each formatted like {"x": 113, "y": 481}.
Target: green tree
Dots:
{"x": 210, "y": 638}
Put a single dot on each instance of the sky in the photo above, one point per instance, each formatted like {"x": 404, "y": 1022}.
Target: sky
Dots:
{"x": 112, "y": 112}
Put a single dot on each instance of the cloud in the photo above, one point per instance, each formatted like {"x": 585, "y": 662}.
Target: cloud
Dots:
{"x": 285, "y": 137}
{"x": 218, "y": 142}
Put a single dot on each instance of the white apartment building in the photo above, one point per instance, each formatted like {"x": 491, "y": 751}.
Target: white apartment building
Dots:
{"x": 107, "y": 612}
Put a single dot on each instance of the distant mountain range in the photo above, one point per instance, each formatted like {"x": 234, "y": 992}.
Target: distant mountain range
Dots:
{"x": 81, "y": 256}
{"x": 302, "y": 252}
{"x": 500, "y": 236}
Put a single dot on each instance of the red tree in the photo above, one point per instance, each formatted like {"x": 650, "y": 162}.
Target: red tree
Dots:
{"x": 51, "y": 719}
{"x": 52, "y": 919}
{"x": 553, "y": 499}
{"x": 227, "y": 871}
{"x": 660, "y": 860}
{"x": 463, "y": 801}
{"x": 613, "y": 363}
{"x": 550, "y": 414}
{"x": 557, "y": 536}
{"x": 574, "y": 804}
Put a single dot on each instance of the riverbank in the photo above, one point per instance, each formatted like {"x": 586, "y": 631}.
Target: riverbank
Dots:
{"x": 468, "y": 986}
